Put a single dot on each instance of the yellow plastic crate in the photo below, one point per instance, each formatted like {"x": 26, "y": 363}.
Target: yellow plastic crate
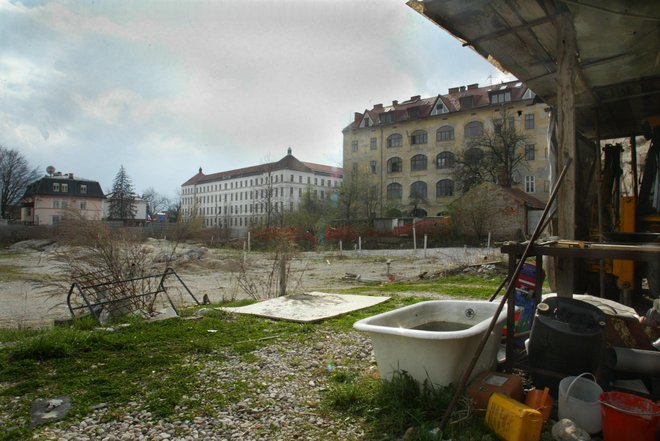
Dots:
{"x": 511, "y": 420}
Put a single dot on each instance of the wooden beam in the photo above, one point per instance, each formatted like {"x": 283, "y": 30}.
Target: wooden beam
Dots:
{"x": 511, "y": 30}
{"x": 567, "y": 146}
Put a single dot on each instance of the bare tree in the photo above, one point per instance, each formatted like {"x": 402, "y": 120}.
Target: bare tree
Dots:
{"x": 15, "y": 175}
{"x": 495, "y": 156}
{"x": 156, "y": 202}
{"x": 358, "y": 198}
{"x": 476, "y": 211}
{"x": 265, "y": 197}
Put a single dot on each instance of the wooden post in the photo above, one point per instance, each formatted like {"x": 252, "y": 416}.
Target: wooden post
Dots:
{"x": 426, "y": 237}
{"x": 340, "y": 248}
{"x": 567, "y": 148}
{"x": 414, "y": 239}
{"x": 249, "y": 242}
{"x": 283, "y": 259}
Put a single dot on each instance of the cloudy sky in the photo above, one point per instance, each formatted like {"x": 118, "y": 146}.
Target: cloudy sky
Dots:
{"x": 163, "y": 87}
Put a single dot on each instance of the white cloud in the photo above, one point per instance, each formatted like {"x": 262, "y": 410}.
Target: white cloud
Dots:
{"x": 164, "y": 87}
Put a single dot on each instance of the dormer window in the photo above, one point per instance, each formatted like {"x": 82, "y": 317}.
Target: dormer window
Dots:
{"x": 56, "y": 186}
{"x": 529, "y": 94}
{"x": 440, "y": 108}
{"x": 467, "y": 102}
{"x": 387, "y": 117}
{"x": 83, "y": 188}
{"x": 366, "y": 122}
{"x": 413, "y": 113}
{"x": 499, "y": 97}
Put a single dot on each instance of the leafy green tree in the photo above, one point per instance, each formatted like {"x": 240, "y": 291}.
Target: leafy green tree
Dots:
{"x": 15, "y": 175}
{"x": 122, "y": 197}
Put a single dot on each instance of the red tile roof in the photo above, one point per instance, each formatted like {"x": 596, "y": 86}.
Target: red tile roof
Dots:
{"x": 289, "y": 162}
{"x": 481, "y": 98}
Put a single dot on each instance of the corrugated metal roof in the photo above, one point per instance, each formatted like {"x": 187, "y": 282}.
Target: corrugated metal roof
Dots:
{"x": 618, "y": 74}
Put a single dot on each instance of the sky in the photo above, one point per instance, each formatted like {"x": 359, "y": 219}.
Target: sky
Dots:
{"x": 164, "y": 87}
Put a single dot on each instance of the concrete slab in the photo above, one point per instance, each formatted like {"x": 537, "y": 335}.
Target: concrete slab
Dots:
{"x": 308, "y": 307}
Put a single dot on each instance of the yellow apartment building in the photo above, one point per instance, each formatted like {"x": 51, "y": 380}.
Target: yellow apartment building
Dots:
{"x": 405, "y": 152}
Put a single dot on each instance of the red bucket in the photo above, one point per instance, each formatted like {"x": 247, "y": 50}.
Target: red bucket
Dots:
{"x": 627, "y": 416}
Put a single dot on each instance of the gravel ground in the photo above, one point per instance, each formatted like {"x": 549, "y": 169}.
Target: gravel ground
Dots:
{"x": 25, "y": 302}
{"x": 273, "y": 393}
{"x": 281, "y": 398}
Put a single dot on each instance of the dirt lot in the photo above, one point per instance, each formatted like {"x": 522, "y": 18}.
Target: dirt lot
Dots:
{"x": 25, "y": 267}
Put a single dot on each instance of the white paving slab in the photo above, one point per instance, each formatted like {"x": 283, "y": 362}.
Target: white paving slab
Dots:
{"x": 308, "y": 307}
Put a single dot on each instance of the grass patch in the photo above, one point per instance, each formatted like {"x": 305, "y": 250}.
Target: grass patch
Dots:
{"x": 11, "y": 273}
{"x": 151, "y": 363}
{"x": 157, "y": 364}
{"x": 398, "y": 405}
{"x": 470, "y": 286}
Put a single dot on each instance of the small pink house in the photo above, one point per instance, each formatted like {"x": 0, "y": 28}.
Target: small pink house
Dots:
{"x": 48, "y": 200}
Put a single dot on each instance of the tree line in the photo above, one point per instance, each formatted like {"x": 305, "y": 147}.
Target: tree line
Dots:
{"x": 16, "y": 174}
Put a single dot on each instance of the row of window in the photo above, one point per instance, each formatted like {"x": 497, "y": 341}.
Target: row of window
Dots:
{"x": 234, "y": 222}
{"x": 257, "y": 181}
{"x": 65, "y": 204}
{"x": 418, "y": 190}
{"x": 250, "y": 195}
{"x": 445, "y": 133}
{"x": 260, "y": 208}
{"x": 443, "y": 188}
{"x": 64, "y": 188}
{"x": 444, "y": 159}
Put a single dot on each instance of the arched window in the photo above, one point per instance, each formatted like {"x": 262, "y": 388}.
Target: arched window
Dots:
{"x": 394, "y": 140}
{"x": 474, "y": 129}
{"x": 474, "y": 156}
{"x": 394, "y": 191}
{"x": 444, "y": 188}
{"x": 418, "y": 162}
{"x": 445, "y": 160}
{"x": 418, "y": 137}
{"x": 394, "y": 165}
{"x": 418, "y": 190}
{"x": 445, "y": 133}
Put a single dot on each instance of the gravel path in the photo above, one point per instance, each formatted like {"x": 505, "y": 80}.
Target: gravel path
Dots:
{"x": 280, "y": 392}
{"x": 25, "y": 302}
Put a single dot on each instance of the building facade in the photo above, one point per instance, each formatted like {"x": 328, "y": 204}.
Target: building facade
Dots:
{"x": 406, "y": 152}
{"x": 48, "y": 200}
{"x": 256, "y": 196}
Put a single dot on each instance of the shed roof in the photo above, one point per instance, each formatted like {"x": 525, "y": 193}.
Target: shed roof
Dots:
{"x": 618, "y": 75}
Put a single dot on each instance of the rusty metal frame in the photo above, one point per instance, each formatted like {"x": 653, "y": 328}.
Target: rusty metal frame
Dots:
{"x": 91, "y": 304}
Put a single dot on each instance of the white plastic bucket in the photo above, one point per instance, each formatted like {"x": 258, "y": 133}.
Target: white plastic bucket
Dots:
{"x": 579, "y": 401}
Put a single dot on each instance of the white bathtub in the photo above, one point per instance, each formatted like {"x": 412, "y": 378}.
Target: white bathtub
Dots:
{"x": 440, "y": 356}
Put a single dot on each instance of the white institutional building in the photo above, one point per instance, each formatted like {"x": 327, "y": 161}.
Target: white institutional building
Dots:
{"x": 255, "y": 196}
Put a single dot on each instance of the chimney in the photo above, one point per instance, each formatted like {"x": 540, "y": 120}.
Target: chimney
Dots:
{"x": 378, "y": 106}
{"x": 70, "y": 175}
{"x": 473, "y": 86}
{"x": 357, "y": 116}
{"x": 462, "y": 88}
{"x": 415, "y": 98}
{"x": 395, "y": 102}
{"x": 453, "y": 90}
